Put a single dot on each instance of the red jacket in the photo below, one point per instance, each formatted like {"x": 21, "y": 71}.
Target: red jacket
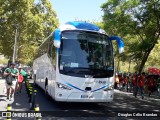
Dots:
{"x": 151, "y": 82}
{"x": 134, "y": 82}
{"x": 141, "y": 80}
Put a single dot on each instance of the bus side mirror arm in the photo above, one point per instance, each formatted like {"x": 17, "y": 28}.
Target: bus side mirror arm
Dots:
{"x": 57, "y": 38}
{"x": 119, "y": 42}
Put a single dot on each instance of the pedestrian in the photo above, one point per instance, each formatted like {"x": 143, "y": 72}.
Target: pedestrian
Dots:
{"x": 125, "y": 82}
{"x": 152, "y": 85}
{"x": 120, "y": 81}
{"x": 126, "y": 79}
{"x": 20, "y": 80}
{"x": 134, "y": 83}
{"x": 140, "y": 80}
{"x": 141, "y": 83}
{"x": 116, "y": 85}
{"x": 130, "y": 80}
{"x": 11, "y": 71}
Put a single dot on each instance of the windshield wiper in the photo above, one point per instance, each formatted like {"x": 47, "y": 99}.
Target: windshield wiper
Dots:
{"x": 78, "y": 71}
{"x": 102, "y": 73}
{"x": 69, "y": 71}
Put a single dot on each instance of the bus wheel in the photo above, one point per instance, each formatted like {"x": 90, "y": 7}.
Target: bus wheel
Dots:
{"x": 46, "y": 90}
{"x": 46, "y": 87}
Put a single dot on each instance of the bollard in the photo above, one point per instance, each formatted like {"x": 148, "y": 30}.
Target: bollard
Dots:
{"x": 30, "y": 95}
{"x": 30, "y": 99}
{"x": 9, "y": 110}
{"x": 29, "y": 89}
{"x": 33, "y": 99}
{"x": 36, "y": 109}
{"x": 26, "y": 84}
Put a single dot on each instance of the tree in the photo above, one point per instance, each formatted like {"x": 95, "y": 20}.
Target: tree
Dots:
{"x": 137, "y": 21}
{"x": 35, "y": 21}
{"x": 153, "y": 59}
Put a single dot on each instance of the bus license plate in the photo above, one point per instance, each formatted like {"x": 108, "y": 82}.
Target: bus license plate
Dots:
{"x": 86, "y": 96}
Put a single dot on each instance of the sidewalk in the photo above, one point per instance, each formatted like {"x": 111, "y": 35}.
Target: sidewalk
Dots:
{"x": 20, "y": 102}
{"x": 152, "y": 97}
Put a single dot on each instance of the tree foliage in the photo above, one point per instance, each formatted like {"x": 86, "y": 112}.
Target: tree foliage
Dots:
{"x": 137, "y": 22}
{"x": 153, "y": 59}
{"x": 34, "y": 21}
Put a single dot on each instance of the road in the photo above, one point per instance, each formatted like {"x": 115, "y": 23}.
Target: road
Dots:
{"x": 123, "y": 104}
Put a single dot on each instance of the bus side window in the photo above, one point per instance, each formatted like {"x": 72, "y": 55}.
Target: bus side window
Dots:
{"x": 53, "y": 55}
{"x": 50, "y": 44}
{"x": 51, "y": 51}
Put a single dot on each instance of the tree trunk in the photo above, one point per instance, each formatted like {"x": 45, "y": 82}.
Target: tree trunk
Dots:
{"x": 118, "y": 67}
{"x": 145, "y": 57}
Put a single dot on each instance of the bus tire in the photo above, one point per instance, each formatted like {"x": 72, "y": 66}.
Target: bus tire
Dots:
{"x": 46, "y": 88}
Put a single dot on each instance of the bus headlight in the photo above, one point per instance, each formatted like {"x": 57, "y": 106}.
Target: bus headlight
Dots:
{"x": 109, "y": 88}
{"x": 62, "y": 86}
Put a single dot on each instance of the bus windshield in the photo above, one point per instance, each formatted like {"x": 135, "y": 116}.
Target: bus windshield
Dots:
{"x": 84, "y": 53}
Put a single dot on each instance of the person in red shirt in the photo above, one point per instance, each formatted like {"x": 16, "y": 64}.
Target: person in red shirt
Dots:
{"x": 134, "y": 83}
{"x": 120, "y": 81}
{"x": 116, "y": 85}
{"x": 140, "y": 84}
{"x": 151, "y": 83}
{"x": 123, "y": 81}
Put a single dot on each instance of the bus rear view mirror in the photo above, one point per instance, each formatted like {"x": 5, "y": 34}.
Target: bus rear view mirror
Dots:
{"x": 57, "y": 38}
{"x": 120, "y": 43}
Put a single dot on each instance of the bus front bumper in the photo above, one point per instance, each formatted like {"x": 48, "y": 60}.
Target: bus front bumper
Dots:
{"x": 85, "y": 97}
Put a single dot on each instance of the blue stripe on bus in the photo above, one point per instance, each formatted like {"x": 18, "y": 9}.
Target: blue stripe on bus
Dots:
{"x": 86, "y": 90}
{"x": 76, "y": 87}
{"x": 100, "y": 88}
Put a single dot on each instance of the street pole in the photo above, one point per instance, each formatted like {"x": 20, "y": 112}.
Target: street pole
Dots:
{"x": 15, "y": 43}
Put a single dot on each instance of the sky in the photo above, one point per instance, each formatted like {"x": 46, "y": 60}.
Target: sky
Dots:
{"x": 71, "y": 10}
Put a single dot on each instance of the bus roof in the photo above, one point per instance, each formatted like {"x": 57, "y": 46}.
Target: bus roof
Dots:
{"x": 79, "y": 25}
{"x": 84, "y": 25}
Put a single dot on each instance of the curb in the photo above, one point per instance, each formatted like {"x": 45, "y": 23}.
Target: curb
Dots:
{"x": 145, "y": 94}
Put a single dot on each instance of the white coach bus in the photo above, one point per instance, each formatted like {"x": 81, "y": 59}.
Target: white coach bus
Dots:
{"x": 76, "y": 63}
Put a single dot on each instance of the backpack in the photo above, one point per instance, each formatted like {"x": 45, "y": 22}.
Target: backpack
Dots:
{"x": 9, "y": 79}
{"x": 20, "y": 78}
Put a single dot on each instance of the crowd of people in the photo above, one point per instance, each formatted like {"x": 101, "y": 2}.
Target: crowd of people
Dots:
{"x": 135, "y": 82}
{"x": 14, "y": 78}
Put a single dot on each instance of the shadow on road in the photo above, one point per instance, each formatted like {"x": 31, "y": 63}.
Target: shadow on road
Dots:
{"x": 122, "y": 103}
